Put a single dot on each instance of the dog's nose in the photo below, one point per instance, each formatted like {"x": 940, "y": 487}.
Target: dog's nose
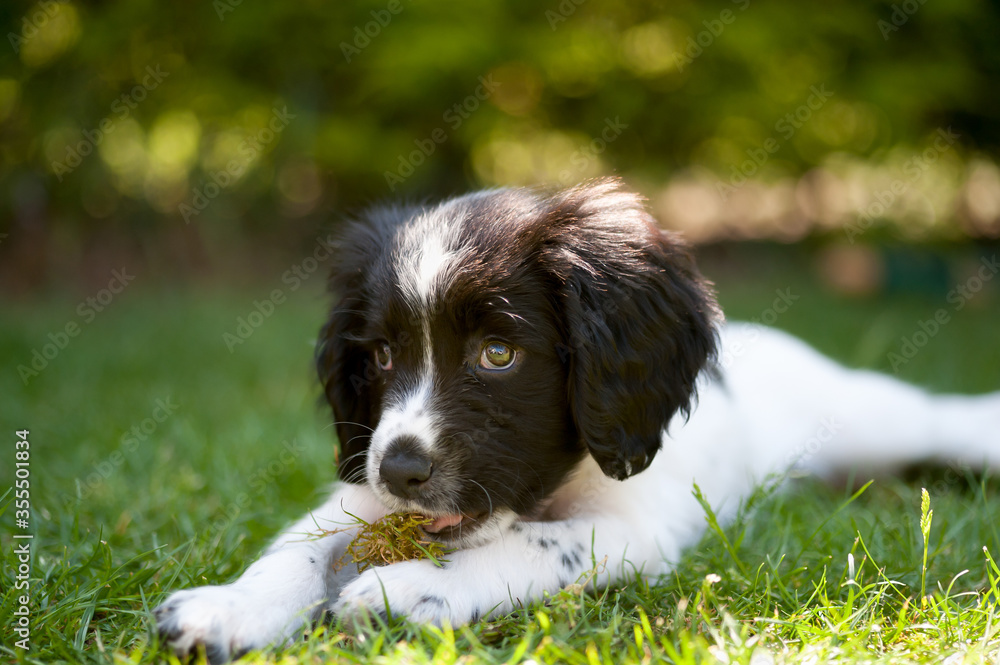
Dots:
{"x": 405, "y": 471}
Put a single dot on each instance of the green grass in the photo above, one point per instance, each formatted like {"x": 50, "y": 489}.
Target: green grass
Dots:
{"x": 777, "y": 586}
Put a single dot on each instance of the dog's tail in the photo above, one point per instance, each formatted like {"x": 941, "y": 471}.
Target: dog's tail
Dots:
{"x": 805, "y": 410}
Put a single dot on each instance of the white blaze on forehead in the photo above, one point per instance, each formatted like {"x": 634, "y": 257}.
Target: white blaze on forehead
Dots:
{"x": 427, "y": 251}
{"x": 429, "y": 247}
{"x": 433, "y": 260}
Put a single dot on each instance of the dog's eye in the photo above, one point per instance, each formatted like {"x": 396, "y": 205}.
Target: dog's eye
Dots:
{"x": 383, "y": 357}
{"x": 497, "y": 356}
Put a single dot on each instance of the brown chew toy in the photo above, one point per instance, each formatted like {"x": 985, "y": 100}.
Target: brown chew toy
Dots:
{"x": 390, "y": 539}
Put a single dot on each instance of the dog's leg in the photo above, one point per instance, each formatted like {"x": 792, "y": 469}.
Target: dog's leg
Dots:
{"x": 277, "y": 596}
{"x": 888, "y": 424}
{"x": 802, "y": 408}
{"x": 522, "y": 564}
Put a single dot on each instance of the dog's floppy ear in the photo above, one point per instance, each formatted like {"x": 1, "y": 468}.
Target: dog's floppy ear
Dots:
{"x": 344, "y": 366}
{"x": 639, "y": 322}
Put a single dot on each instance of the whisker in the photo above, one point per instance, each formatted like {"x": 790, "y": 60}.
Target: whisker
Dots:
{"x": 486, "y": 492}
{"x": 354, "y": 476}
{"x": 349, "y": 422}
{"x": 359, "y": 436}
{"x": 514, "y": 478}
{"x": 345, "y": 310}
{"x": 518, "y": 459}
{"x": 357, "y": 454}
{"x": 519, "y": 318}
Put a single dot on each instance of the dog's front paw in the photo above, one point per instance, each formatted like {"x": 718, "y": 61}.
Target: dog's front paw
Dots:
{"x": 223, "y": 620}
{"x": 417, "y": 590}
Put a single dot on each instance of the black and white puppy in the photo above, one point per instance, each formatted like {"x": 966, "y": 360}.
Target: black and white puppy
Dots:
{"x": 522, "y": 369}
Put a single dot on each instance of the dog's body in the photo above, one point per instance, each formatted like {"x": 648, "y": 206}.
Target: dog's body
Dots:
{"x": 510, "y": 366}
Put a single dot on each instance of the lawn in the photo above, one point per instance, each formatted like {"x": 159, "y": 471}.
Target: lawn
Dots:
{"x": 159, "y": 460}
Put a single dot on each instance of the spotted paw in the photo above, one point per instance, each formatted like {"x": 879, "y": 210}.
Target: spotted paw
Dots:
{"x": 417, "y": 590}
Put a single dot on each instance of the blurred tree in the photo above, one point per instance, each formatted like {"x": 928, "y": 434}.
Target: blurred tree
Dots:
{"x": 205, "y": 121}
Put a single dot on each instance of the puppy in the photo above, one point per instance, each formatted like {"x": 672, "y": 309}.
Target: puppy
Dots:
{"x": 523, "y": 370}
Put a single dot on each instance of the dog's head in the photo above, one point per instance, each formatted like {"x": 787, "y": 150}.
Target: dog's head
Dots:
{"x": 480, "y": 348}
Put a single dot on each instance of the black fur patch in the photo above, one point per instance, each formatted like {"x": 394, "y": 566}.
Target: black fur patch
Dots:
{"x": 436, "y": 601}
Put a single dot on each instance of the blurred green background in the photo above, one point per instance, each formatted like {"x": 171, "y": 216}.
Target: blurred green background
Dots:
{"x": 214, "y": 138}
